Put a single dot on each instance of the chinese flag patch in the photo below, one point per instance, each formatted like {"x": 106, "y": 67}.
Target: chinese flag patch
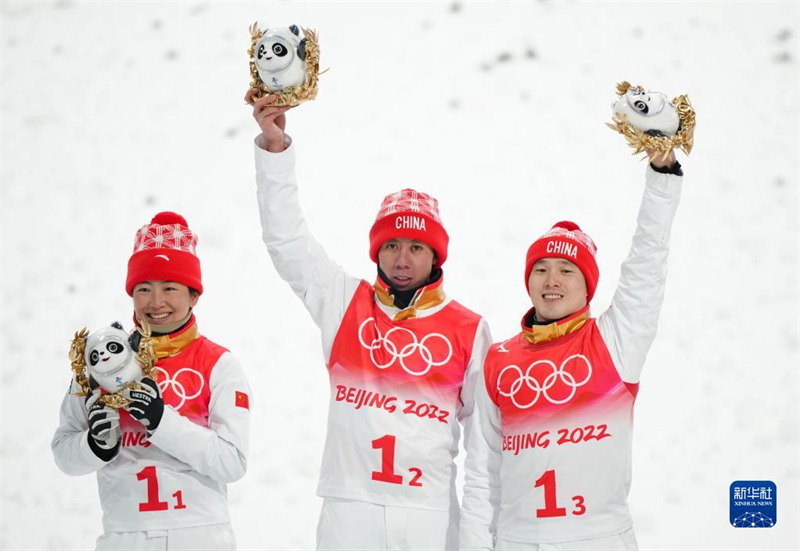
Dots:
{"x": 242, "y": 400}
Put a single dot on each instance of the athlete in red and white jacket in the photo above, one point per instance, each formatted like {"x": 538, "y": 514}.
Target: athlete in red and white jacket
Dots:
{"x": 163, "y": 463}
{"x": 556, "y": 400}
{"x": 402, "y": 358}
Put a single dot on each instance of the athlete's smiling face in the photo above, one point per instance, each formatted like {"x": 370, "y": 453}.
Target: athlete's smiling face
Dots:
{"x": 407, "y": 263}
{"x": 163, "y": 302}
{"x": 557, "y": 289}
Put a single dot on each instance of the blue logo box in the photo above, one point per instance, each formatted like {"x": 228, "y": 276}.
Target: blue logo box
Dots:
{"x": 754, "y": 504}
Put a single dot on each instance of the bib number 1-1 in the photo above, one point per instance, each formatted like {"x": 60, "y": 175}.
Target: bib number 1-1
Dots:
{"x": 154, "y": 502}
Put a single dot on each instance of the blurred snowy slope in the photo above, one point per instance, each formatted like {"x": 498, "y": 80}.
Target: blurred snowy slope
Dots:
{"x": 114, "y": 111}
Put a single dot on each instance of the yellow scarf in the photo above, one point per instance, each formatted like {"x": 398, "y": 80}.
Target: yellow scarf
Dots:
{"x": 425, "y": 297}
{"x": 545, "y": 333}
{"x": 173, "y": 343}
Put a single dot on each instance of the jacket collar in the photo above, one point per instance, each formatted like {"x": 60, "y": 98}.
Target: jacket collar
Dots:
{"x": 536, "y": 334}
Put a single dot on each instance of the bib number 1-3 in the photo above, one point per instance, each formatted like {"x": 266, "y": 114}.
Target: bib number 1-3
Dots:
{"x": 551, "y": 508}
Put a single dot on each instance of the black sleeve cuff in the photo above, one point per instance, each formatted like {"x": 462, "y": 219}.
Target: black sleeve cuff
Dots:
{"x": 105, "y": 455}
{"x": 674, "y": 169}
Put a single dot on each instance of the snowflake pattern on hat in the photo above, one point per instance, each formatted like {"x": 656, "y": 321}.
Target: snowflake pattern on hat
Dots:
{"x": 409, "y": 200}
{"x": 573, "y": 235}
{"x": 168, "y": 236}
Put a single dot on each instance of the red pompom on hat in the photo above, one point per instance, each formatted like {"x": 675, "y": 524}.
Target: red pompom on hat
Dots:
{"x": 409, "y": 214}
{"x": 566, "y": 240}
{"x": 164, "y": 250}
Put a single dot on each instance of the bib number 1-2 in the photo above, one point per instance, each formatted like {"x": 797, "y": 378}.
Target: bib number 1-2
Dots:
{"x": 387, "y": 444}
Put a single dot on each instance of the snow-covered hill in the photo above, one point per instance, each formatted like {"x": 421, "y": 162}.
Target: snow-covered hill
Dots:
{"x": 114, "y": 111}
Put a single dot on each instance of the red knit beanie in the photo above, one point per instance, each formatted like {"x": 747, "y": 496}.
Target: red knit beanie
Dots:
{"x": 566, "y": 240}
{"x": 164, "y": 250}
{"x": 409, "y": 214}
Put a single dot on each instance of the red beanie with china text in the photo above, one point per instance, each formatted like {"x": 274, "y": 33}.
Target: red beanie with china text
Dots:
{"x": 164, "y": 250}
{"x": 409, "y": 214}
{"x": 566, "y": 240}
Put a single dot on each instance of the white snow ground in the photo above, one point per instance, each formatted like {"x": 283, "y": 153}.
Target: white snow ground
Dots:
{"x": 112, "y": 111}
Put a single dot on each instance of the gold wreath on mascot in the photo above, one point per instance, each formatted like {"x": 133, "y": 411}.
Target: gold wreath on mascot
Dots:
{"x": 649, "y": 121}
{"x": 284, "y": 61}
{"x": 112, "y": 362}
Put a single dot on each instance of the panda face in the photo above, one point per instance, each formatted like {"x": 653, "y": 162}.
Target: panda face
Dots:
{"x": 274, "y": 53}
{"x": 646, "y": 104}
{"x": 108, "y": 355}
{"x": 648, "y": 111}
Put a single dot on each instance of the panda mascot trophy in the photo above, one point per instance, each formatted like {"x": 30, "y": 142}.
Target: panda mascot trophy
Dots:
{"x": 112, "y": 362}
{"x": 284, "y": 61}
{"x": 649, "y": 121}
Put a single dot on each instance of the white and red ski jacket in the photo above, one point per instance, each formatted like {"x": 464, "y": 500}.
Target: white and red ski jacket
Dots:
{"x": 556, "y": 402}
{"x": 177, "y": 478}
{"x": 399, "y": 387}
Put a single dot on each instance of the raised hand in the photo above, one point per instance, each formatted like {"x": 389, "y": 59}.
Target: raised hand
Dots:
{"x": 271, "y": 120}
{"x": 662, "y": 159}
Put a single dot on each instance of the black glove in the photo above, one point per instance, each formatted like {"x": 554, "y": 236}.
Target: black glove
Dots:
{"x": 146, "y": 405}
{"x": 104, "y": 431}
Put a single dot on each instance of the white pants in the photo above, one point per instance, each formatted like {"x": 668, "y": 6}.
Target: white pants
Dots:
{"x": 626, "y": 541}
{"x": 213, "y": 537}
{"x": 345, "y": 524}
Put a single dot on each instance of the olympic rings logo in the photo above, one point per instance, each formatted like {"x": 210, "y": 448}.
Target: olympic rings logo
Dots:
{"x": 537, "y": 389}
{"x": 397, "y": 352}
{"x": 177, "y": 383}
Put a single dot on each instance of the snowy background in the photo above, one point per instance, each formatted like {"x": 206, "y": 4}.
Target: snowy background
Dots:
{"x": 113, "y": 111}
